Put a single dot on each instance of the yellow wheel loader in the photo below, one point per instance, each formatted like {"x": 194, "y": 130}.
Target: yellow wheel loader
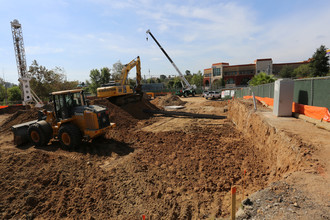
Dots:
{"x": 71, "y": 121}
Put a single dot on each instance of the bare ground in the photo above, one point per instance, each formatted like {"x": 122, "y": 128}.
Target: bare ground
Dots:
{"x": 165, "y": 167}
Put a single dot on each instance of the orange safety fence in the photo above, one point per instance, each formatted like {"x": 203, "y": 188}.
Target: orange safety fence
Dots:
{"x": 315, "y": 112}
{"x": 3, "y": 106}
{"x": 268, "y": 101}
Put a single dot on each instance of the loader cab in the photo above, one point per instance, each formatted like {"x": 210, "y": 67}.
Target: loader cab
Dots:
{"x": 66, "y": 101}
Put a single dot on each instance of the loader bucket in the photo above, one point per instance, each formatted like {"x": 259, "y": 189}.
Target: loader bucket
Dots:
{"x": 20, "y": 131}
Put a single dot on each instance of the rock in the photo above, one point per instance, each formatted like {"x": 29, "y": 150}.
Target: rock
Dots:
{"x": 240, "y": 214}
{"x": 296, "y": 205}
{"x": 31, "y": 201}
{"x": 169, "y": 190}
{"x": 247, "y": 202}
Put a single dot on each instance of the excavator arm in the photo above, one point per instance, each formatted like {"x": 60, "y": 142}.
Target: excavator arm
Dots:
{"x": 134, "y": 63}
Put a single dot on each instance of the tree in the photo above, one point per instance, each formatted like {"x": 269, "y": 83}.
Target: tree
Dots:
{"x": 302, "y": 71}
{"x": 162, "y": 78}
{"x": 105, "y": 75}
{"x": 2, "y": 90}
{"x": 286, "y": 72}
{"x": 197, "y": 79}
{"x": 14, "y": 93}
{"x": 151, "y": 80}
{"x": 44, "y": 81}
{"x": 261, "y": 78}
{"x": 177, "y": 82}
{"x": 320, "y": 62}
{"x": 95, "y": 77}
{"x": 116, "y": 70}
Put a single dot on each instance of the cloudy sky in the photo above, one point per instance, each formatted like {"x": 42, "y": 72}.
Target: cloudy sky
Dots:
{"x": 87, "y": 34}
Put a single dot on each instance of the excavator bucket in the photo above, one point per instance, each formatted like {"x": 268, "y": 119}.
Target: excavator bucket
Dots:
{"x": 20, "y": 131}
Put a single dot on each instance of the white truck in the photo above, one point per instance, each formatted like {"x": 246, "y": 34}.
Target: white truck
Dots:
{"x": 212, "y": 95}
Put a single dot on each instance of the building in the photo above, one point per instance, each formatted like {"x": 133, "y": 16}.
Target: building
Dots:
{"x": 236, "y": 75}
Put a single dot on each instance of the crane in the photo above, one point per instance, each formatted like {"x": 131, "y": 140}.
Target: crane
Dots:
{"x": 29, "y": 96}
{"x": 187, "y": 88}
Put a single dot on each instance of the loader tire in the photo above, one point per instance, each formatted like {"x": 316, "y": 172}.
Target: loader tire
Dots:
{"x": 69, "y": 136}
{"x": 37, "y": 135}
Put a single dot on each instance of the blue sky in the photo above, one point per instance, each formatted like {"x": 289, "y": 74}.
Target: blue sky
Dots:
{"x": 87, "y": 34}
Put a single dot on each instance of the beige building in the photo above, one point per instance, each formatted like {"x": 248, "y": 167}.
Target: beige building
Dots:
{"x": 235, "y": 75}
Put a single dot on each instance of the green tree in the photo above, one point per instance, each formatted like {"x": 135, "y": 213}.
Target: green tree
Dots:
{"x": 177, "y": 82}
{"x": 320, "y": 62}
{"x": 151, "y": 80}
{"x": 162, "y": 78}
{"x": 261, "y": 78}
{"x": 302, "y": 71}
{"x": 14, "y": 93}
{"x": 44, "y": 81}
{"x": 197, "y": 79}
{"x": 2, "y": 90}
{"x": 95, "y": 77}
{"x": 105, "y": 75}
{"x": 286, "y": 72}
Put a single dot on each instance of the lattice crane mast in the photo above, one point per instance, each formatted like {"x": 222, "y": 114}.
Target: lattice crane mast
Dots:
{"x": 29, "y": 97}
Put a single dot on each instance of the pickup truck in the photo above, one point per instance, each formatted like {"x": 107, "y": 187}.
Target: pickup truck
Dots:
{"x": 213, "y": 95}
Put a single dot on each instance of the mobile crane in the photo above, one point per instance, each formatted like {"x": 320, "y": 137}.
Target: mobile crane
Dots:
{"x": 187, "y": 89}
{"x": 29, "y": 96}
{"x": 119, "y": 92}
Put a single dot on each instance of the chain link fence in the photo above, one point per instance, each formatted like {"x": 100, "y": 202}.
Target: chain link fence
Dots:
{"x": 309, "y": 91}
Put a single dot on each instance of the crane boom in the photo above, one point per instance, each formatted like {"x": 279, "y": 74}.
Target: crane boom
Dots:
{"x": 23, "y": 78}
{"x": 187, "y": 84}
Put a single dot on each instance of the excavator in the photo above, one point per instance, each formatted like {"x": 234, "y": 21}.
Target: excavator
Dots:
{"x": 120, "y": 93}
{"x": 71, "y": 121}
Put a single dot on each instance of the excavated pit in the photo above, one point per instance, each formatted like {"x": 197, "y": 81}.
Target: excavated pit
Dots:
{"x": 161, "y": 167}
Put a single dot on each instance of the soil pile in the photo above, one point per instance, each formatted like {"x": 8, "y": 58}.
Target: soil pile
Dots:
{"x": 168, "y": 100}
{"x": 117, "y": 114}
{"x": 19, "y": 117}
{"x": 11, "y": 109}
{"x": 126, "y": 115}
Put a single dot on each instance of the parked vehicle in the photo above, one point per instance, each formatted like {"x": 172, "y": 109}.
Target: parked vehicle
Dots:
{"x": 213, "y": 95}
{"x": 205, "y": 93}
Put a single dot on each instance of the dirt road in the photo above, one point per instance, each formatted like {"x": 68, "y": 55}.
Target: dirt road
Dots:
{"x": 174, "y": 167}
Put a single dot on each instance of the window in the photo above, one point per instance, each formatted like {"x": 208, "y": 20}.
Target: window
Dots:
{"x": 216, "y": 71}
{"x": 230, "y": 81}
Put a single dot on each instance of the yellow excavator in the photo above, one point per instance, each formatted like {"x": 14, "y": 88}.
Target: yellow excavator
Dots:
{"x": 120, "y": 92}
{"x": 71, "y": 121}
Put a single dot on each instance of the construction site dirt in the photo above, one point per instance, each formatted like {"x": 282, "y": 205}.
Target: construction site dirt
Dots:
{"x": 170, "y": 167}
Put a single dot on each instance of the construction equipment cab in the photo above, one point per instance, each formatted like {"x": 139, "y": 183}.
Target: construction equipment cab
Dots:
{"x": 120, "y": 92}
{"x": 71, "y": 121}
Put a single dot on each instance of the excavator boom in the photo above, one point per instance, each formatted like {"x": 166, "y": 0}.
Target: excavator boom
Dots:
{"x": 121, "y": 93}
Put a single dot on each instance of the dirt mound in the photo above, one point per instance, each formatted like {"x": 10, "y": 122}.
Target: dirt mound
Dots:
{"x": 19, "y": 117}
{"x": 167, "y": 100}
{"x": 11, "y": 109}
{"x": 126, "y": 115}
